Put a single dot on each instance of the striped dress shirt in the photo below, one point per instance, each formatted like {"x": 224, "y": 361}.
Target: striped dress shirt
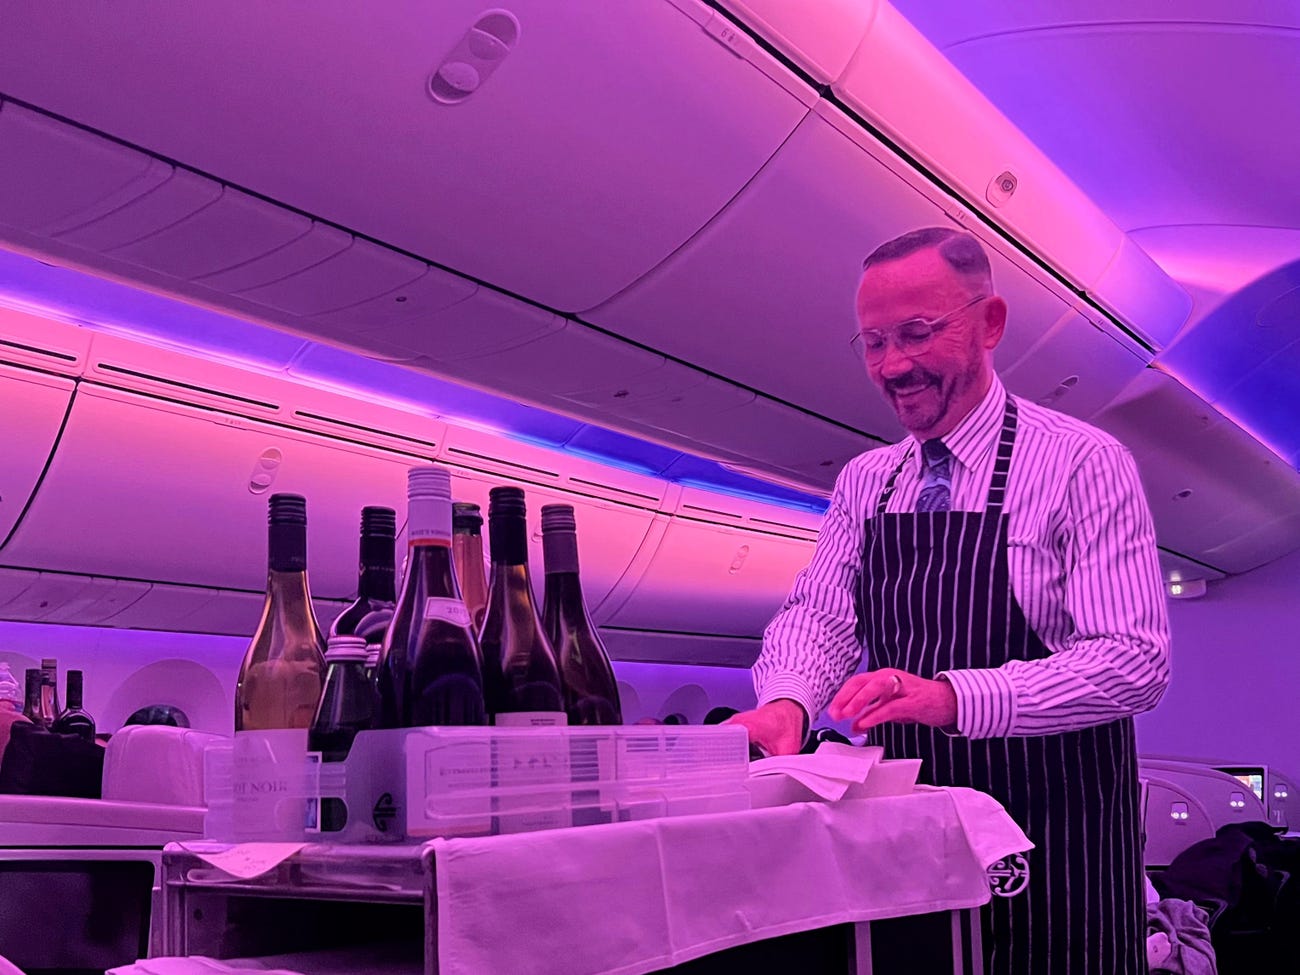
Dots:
{"x": 1082, "y": 558}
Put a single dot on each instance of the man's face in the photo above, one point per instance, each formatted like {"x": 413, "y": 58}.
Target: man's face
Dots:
{"x": 933, "y": 390}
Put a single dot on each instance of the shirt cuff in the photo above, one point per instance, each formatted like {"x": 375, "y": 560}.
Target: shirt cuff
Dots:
{"x": 986, "y": 702}
{"x": 794, "y": 688}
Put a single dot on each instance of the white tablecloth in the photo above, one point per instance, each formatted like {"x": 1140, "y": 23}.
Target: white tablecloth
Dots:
{"x": 629, "y": 898}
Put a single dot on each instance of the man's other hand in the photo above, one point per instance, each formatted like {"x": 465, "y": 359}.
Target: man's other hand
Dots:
{"x": 878, "y": 696}
{"x": 776, "y": 727}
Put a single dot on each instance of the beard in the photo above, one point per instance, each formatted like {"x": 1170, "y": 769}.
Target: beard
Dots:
{"x": 922, "y": 399}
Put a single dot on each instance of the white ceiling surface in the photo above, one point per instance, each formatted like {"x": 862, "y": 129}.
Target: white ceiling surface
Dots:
{"x": 1181, "y": 121}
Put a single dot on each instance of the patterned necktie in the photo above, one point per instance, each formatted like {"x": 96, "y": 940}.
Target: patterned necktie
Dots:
{"x": 936, "y": 477}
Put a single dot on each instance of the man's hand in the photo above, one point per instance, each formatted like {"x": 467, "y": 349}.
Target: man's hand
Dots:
{"x": 884, "y": 695}
{"x": 776, "y": 727}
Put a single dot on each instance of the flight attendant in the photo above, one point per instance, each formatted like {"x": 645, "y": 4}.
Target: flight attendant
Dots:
{"x": 997, "y": 570}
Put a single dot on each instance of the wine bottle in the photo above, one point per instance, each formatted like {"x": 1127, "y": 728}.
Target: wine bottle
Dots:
{"x": 11, "y": 694}
{"x": 430, "y": 671}
{"x": 283, "y": 670}
{"x": 36, "y": 703}
{"x": 50, "y": 668}
{"x": 467, "y": 547}
{"x": 520, "y": 673}
{"x": 348, "y": 704}
{"x": 590, "y": 691}
{"x": 75, "y": 719}
{"x": 367, "y": 616}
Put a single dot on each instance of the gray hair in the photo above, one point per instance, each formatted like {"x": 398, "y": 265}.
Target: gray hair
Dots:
{"x": 962, "y": 252}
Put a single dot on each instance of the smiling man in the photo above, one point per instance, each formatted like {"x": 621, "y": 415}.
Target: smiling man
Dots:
{"x": 996, "y": 572}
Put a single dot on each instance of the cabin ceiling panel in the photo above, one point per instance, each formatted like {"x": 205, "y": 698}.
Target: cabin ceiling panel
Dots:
{"x": 950, "y": 22}
{"x": 1216, "y": 495}
{"x": 594, "y": 149}
{"x": 1165, "y": 82}
{"x": 1244, "y": 358}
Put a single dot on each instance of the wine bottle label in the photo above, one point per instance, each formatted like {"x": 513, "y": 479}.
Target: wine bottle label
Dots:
{"x": 428, "y": 519}
{"x": 529, "y": 770}
{"x": 451, "y": 610}
{"x": 271, "y": 783}
{"x": 531, "y": 719}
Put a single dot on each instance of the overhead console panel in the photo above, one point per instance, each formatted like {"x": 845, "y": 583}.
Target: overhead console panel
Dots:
{"x": 1220, "y": 497}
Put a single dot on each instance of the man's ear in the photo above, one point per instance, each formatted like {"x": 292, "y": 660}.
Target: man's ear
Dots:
{"x": 995, "y": 321}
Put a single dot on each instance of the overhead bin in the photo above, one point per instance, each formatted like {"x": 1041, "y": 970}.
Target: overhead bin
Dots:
{"x": 56, "y": 176}
{"x": 614, "y": 509}
{"x": 1078, "y": 366}
{"x": 649, "y": 646}
{"x": 56, "y": 597}
{"x": 1179, "y": 568}
{"x": 233, "y": 230}
{"x": 622, "y": 133}
{"x": 716, "y": 570}
{"x": 829, "y": 196}
{"x": 183, "y": 608}
{"x": 180, "y": 195}
{"x": 180, "y": 494}
{"x": 773, "y": 435}
{"x": 820, "y": 38}
{"x": 1216, "y": 496}
{"x": 359, "y": 273}
{"x": 32, "y": 408}
{"x": 565, "y": 362}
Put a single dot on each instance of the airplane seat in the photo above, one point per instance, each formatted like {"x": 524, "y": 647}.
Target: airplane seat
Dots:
{"x": 1174, "y": 819}
{"x": 99, "y": 859}
{"x": 158, "y": 764}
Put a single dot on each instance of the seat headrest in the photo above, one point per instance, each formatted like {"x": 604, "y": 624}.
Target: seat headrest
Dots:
{"x": 156, "y": 763}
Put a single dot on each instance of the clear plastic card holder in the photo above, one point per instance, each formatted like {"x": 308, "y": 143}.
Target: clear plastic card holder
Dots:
{"x": 411, "y": 784}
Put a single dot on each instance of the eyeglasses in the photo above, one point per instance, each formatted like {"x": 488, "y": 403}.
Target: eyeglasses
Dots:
{"x": 912, "y": 337}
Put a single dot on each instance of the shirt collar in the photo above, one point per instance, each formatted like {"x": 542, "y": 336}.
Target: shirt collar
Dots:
{"x": 976, "y": 435}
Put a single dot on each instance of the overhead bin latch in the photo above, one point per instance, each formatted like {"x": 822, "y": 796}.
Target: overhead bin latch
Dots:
{"x": 1001, "y": 187}
{"x": 479, "y": 53}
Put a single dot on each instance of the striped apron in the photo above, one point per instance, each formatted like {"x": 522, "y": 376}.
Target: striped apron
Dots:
{"x": 936, "y": 595}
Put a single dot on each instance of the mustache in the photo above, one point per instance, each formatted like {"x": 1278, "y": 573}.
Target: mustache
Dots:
{"x": 910, "y": 380}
